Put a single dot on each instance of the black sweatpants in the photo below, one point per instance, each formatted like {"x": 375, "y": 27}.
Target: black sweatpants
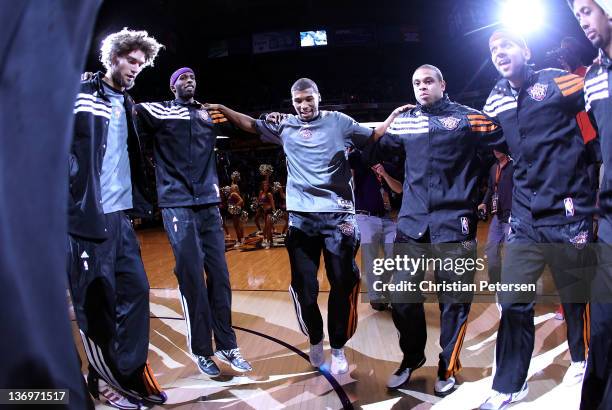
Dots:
{"x": 597, "y": 385}
{"x": 43, "y": 46}
{"x": 408, "y": 311}
{"x": 198, "y": 243}
{"x": 110, "y": 295}
{"x": 337, "y": 235}
{"x": 528, "y": 250}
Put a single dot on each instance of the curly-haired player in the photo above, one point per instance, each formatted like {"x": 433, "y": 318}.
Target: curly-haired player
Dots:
{"x": 109, "y": 286}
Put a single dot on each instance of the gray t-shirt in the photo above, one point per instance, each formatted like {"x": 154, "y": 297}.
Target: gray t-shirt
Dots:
{"x": 319, "y": 175}
{"x": 116, "y": 181}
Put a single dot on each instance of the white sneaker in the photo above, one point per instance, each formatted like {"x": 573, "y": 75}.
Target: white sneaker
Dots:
{"x": 443, "y": 388}
{"x": 339, "y": 364}
{"x": 402, "y": 374}
{"x": 499, "y": 401}
{"x": 575, "y": 373}
{"x": 115, "y": 398}
{"x": 317, "y": 358}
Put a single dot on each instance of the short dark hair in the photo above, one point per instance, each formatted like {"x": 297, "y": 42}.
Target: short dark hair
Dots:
{"x": 304, "y": 84}
{"x": 508, "y": 35}
{"x": 433, "y": 68}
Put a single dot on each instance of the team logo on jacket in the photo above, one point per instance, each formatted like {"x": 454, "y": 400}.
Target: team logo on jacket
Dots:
{"x": 305, "y": 133}
{"x": 469, "y": 245}
{"x": 538, "y": 91}
{"x": 204, "y": 115}
{"x": 580, "y": 240}
{"x": 347, "y": 228}
{"x": 450, "y": 123}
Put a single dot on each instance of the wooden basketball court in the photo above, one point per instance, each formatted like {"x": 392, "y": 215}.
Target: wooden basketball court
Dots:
{"x": 270, "y": 339}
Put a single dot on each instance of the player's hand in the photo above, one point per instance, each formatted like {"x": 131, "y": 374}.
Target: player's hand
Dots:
{"x": 482, "y": 207}
{"x": 275, "y": 117}
{"x": 86, "y": 76}
{"x": 379, "y": 169}
{"x": 209, "y": 106}
{"x": 402, "y": 109}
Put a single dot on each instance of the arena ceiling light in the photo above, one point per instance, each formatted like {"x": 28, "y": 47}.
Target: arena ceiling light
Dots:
{"x": 522, "y": 16}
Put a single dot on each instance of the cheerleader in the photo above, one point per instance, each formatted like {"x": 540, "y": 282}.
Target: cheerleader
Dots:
{"x": 266, "y": 201}
{"x": 235, "y": 205}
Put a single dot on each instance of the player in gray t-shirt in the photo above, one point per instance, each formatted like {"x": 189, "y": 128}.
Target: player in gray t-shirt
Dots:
{"x": 321, "y": 212}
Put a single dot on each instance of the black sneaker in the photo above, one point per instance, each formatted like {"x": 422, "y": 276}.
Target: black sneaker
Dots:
{"x": 234, "y": 359}
{"x": 207, "y": 366}
{"x": 379, "y": 306}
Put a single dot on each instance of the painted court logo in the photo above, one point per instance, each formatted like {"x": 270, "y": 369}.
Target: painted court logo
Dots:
{"x": 450, "y": 123}
{"x": 538, "y": 91}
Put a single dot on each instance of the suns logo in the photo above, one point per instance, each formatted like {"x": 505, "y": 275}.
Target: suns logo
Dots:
{"x": 347, "y": 228}
{"x": 538, "y": 91}
{"x": 450, "y": 123}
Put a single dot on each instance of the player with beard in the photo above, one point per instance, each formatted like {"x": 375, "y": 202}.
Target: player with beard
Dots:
{"x": 552, "y": 206}
{"x": 109, "y": 286}
{"x": 441, "y": 140}
{"x": 183, "y": 134}
{"x": 595, "y": 18}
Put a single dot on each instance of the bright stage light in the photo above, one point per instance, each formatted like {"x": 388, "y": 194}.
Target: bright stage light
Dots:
{"x": 522, "y": 16}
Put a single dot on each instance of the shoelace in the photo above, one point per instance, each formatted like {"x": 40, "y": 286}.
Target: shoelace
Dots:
{"x": 236, "y": 353}
{"x": 207, "y": 360}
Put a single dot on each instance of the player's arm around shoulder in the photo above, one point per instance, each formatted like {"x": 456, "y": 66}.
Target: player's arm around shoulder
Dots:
{"x": 242, "y": 121}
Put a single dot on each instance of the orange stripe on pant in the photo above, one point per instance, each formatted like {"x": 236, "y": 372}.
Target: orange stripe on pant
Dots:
{"x": 587, "y": 329}
{"x": 351, "y": 326}
{"x": 454, "y": 364}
